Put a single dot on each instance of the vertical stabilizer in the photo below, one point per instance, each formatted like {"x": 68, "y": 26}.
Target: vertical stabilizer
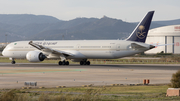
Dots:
{"x": 140, "y": 32}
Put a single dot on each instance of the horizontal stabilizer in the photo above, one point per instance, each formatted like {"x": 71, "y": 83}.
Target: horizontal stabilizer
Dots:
{"x": 163, "y": 44}
{"x": 136, "y": 46}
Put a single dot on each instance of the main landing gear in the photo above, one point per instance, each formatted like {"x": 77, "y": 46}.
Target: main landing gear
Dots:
{"x": 64, "y": 62}
{"x": 85, "y": 63}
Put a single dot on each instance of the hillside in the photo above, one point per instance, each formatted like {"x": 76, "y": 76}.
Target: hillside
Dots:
{"x": 37, "y": 27}
{"x": 25, "y": 19}
{"x": 104, "y": 28}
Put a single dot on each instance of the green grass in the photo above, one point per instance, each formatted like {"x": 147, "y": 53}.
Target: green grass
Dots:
{"x": 111, "y": 93}
{"x": 113, "y": 89}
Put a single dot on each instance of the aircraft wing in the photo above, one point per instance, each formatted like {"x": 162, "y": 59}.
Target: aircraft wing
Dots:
{"x": 47, "y": 49}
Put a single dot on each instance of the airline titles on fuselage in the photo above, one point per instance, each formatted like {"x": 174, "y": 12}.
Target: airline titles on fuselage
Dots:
{"x": 46, "y": 43}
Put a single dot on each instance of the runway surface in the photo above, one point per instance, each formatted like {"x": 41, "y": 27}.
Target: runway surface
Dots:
{"x": 52, "y": 75}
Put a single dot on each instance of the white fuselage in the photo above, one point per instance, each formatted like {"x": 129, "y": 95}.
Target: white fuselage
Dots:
{"x": 80, "y": 49}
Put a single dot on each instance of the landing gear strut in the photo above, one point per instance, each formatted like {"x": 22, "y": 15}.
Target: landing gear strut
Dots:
{"x": 64, "y": 62}
{"x": 84, "y": 63}
{"x": 13, "y": 62}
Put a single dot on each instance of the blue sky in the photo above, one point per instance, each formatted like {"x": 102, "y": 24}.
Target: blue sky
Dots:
{"x": 127, "y": 10}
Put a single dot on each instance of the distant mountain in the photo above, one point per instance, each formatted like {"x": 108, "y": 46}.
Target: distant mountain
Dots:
{"x": 40, "y": 27}
{"x": 104, "y": 28}
{"x": 25, "y": 19}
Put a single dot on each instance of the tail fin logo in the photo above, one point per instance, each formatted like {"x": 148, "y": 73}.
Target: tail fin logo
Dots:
{"x": 140, "y": 33}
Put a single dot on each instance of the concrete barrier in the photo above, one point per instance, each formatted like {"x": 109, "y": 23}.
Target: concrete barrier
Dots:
{"x": 173, "y": 92}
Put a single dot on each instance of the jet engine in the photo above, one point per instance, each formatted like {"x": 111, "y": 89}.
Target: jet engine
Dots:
{"x": 35, "y": 56}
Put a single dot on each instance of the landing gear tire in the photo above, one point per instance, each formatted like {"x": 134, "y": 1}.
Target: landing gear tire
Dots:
{"x": 64, "y": 63}
{"x": 60, "y": 62}
{"x": 81, "y": 62}
{"x": 84, "y": 63}
{"x": 87, "y": 63}
{"x": 13, "y": 62}
{"x": 67, "y": 62}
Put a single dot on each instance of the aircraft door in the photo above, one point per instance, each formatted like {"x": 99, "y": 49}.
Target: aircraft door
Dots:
{"x": 118, "y": 47}
{"x": 78, "y": 47}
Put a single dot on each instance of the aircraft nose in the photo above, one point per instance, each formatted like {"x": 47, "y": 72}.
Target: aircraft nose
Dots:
{"x": 3, "y": 53}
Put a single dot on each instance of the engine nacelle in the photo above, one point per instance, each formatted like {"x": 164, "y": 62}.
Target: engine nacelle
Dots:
{"x": 35, "y": 56}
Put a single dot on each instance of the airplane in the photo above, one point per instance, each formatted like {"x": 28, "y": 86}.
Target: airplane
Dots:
{"x": 82, "y": 50}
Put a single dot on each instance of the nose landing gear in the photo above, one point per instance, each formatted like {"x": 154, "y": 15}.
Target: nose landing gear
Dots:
{"x": 13, "y": 61}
